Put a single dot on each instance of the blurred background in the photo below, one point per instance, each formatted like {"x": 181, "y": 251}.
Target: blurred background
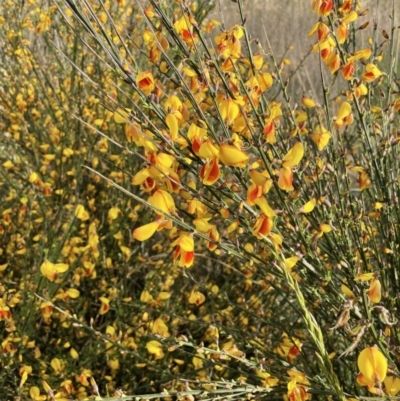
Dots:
{"x": 287, "y": 24}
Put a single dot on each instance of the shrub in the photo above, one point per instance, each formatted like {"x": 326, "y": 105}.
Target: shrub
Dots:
{"x": 226, "y": 238}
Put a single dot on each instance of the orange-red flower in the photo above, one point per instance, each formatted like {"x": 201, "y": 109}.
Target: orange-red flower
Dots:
{"x": 342, "y": 32}
{"x": 297, "y": 392}
{"x": 364, "y": 181}
{"x": 152, "y": 41}
{"x": 184, "y": 27}
{"x": 348, "y": 70}
{"x": 263, "y": 226}
{"x": 184, "y": 250}
{"x": 210, "y": 171}
{"x": 322, "y": 7}
{"x": 371, "y": 73}
{"x": 228, "y": 43}
{"x": 321, "y": 29}
{"x": 145, "y": 82}
{"x": 333, "y": 62}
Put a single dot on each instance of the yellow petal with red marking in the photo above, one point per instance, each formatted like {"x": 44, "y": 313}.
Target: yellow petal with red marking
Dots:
{"x": 210, "y": 172}
{"x": 145, "y": 82}
{"x": 185, "y": 242}
{"x": 371, "y": 73}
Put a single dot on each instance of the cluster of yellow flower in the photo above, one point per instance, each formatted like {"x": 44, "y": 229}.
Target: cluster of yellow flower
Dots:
{"x": 186, "y": 220}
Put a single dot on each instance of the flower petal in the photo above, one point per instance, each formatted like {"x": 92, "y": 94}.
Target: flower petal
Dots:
{"x": 145, "y": 232}
{"x": 372, "y": 364}
{"x": 293, "y": 157}
{"x": 232, "y": 156}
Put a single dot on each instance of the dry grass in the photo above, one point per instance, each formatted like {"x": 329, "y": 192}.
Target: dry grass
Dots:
{"x": 287, "y": 24}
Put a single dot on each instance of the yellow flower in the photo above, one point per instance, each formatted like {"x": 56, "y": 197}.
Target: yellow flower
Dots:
{"x": 373, "y": 365}
{"x": 375, "y": 292}
{"x": 196, "y": 298}
{"x": 371, "y": 73}
{"x": 81, "y": 213}
{"x": 344, "y": 115}
{"x": 392, "y": 385}
{"x": 160, "y": 328}
{"x": 309, "y": 206}
{"x": 232, "y": 156}
{"x": 163, "y": 201}
{"x": 321, "y": 137}
{"x": 50, "y": 270}
{"x": 105, "y": 305}
{"x": 143, "y": 233}
{"x": 184, "y": 250}
{"x": 293, "y": 157}
{"x": 229, "y": 110}
{"x": 155, "y": 348}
